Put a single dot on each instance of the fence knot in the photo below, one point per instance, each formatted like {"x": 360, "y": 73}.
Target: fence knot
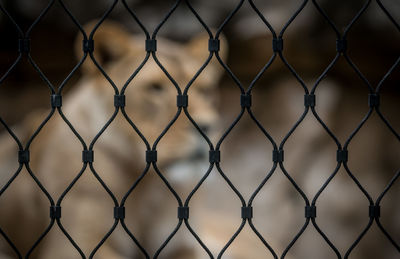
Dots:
{"x": 245, "y": 100}
{"x": 373, "y": 100}
{"x": 309, "y": 100}
{"x": 311, "y": 212}
{"x": 56, "y": 100}
{"x": 119, "y": 101}
{"x": 277, "y": 45}
{"x": 247, "y": 212}
{"x": 151, "y": 156}
{"x": 55, "y": 212}
{"x": 374, "y": 211}
{"x": 87, "y": 156}
{"x": 183, "y": 212}
{"x": 341, "y": 45}
{"x": 214, "y": 45}
{"x": 182, "y": 101}
{"x": 342, "y": 156}
{"x": 23, "y": 156}
{"x": 151, "y": 45}
{"x": 119, "y": 212}
{"x": 24, "y": 45}
{"x": 215, "y": 156}
{"x": 88, "y": 45}
{"x": 277, "y": 156}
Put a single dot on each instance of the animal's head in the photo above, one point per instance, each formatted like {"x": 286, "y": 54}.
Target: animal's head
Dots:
{"x": 151, "y": 97}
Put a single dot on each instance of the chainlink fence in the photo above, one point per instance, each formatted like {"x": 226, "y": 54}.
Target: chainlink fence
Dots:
{"x": 183, "y": 204}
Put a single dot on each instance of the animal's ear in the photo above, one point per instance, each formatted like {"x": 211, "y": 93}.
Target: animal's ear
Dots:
{"x": 198, "y": 48}
{"x": 111, "y": 42}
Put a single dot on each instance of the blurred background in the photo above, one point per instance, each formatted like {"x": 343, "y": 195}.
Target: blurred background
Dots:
{"x": 309, "y": 47}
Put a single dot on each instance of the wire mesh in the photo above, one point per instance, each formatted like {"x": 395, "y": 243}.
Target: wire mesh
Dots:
{"x": 183, "y": 104}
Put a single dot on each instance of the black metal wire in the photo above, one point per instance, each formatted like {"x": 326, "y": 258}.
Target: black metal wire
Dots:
{"x": 246, "y": 93}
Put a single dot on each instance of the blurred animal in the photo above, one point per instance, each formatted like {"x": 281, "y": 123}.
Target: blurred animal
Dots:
{"x": 310, "y": 158}
{"x": 119, "y": 152}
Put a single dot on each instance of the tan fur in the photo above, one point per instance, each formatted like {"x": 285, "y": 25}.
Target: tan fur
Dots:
{"x": 87, "y": 209}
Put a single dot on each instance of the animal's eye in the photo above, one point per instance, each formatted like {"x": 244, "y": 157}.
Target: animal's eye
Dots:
{"x": 156, "y": 87}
